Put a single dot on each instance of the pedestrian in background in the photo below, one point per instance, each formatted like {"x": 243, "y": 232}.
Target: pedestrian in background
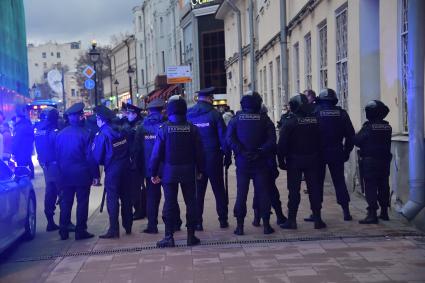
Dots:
{"x": 374, "y": 141}
{"x": 7, "y": 140}
{"x": 178, "y": 147}
{"x": 23, "y": 139}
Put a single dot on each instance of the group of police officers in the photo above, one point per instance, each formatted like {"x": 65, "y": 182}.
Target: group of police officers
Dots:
{"x": 175, "y": 146}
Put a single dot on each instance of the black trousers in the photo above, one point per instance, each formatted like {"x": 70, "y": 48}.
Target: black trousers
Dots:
{"x": 377, "y": 190}
{"x": 217, "y": 184}
{"x": 261, "y": 180}
{"x": 337, "y": 173}
{"x": 294, "y": 176}
{"x": 117, "y": 190}
{"x": 276, "y": 204}
{"x": 171, "y": 210}
{"x": 153, "y": 198}
{"x": 66, "y": 202}
{"x": 138, "y": 192}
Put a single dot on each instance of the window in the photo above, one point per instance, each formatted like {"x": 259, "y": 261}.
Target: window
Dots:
{"x": 404, "y": 62}
{"x": 265, "y": 85}
{"x": 43, "y": 54}
{"x": 58, "y": 54}
{"x": 36, "y": 64}
{"x": 45, "y": 75}
{"x": 323, "y": 52}
{"x": 342, "y": 58}
{"x": 163, "y": 61}
{"x": 75, "y": 45}
{"x": 44, "y": 65}
{"x": 307, "y": 68}
{"x": 271, "y": 86}
{"x": 52, "y": 54}
{"x": 279, "y": 79}
{"x": 73, "y": 92}
{"x": 297, "y": 66}
{"x": 141, "y": 50}
{"x": 143, "y": 76}
{"x": 161, "y": 26}
{"x": 139, "y": 23}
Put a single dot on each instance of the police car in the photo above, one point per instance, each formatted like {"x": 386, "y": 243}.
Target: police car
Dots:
{"x": 17, "y": 205}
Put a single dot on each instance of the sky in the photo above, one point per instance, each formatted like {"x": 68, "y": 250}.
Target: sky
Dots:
{"x": 74, "y": 20}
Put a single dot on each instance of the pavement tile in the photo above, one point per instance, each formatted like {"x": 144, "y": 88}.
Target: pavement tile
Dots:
{"x": 61, "y": 278}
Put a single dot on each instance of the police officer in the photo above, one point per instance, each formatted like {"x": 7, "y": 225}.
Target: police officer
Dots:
{"x": 76, "y": 172}
{"x": 299, "y": 155}
{"x": 374, "y": 141}
{"x": 252, "y": 137}
{"x": 178, "y": 147}
{"x": 212, "y": 129}
{"x": 150, "y": 128}
{"x": 111, "y": 149}
{"x": 336, "y": 133}
{"x": 274, "y": 191}
{"x": 135, "y": 140}
{"x": 45, "y": 138}
{"x": 23, "y": 139}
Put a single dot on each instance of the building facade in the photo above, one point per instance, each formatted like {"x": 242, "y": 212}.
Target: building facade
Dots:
{"x": 13, "y": 56}
{"x": 159, "y": 40}
{"x": 121, "y": 86}
{"x": 51, "y": 55}
{"x": 359, "y": 48}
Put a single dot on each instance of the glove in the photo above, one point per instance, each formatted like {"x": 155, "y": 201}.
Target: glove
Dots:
{"x": 227, "y": 160}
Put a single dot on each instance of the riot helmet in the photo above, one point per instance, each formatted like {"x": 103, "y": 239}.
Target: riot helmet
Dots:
{"x": 376, "y": 110}
{"x": 297, "y": 103}
{"x": 328, "y": 95}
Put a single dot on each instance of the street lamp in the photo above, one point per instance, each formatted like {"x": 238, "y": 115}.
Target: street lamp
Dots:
{"x": 130, "y": 73}
{"x": 94, "y": 57}
{"x": 116, "y": 83}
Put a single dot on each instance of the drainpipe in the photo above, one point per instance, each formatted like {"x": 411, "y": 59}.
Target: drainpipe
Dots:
{"x": 239, "y": 22}
{"x": 283, "y": 53}
{"x": 251, "y": 44}
{"x": 144, "y": 49}
{"x": 415, "y": 107}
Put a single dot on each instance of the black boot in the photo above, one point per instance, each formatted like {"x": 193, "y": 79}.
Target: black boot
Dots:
{"x": 178, "y": 225}
{"x": 71, "y": 227}
{"x": 384, "y": 214}
{"x": 291, "y": 222}
{"x": 224, "y": 224}
{"x": 192, "y": 240}
{"x": 151, "y": 229}
{"x": 239, "y": 228}
{"x": 51, "y": 225}
{"x": 371, "y": 217}
{"x": 199, "y": 227}
{"x": 256, "y": 221}
{"x": 64, "y": 234}
{"x": 318, "y": 222}
{"x": 110, "y": 235}
{"x": 166, "y": 242}
{"x": 83, "y": 235}
{"x": 310, "y": 218}
{"x": 346, "y": 211}
{"x": 267, "y": 228}
{"x": 280, "y": 216}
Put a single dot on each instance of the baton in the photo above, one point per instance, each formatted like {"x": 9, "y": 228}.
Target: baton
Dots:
{"x": 226, "y": 184}
{"x": 102, "y": 204}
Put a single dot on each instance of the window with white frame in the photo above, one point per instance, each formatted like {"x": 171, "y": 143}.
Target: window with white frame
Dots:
{"x": 323, "y": 52}
{"x": 271, "y": 85}
{"x": 404, "y": 62}
{"x": 264, "y": 94}
{"x": 307, "y": 68}
{"x": 297, "y": 66}
{"x": 342, "y": 58}
{"x": 279, "y": 79}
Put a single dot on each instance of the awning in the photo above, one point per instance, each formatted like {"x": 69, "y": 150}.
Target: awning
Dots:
{"x": 163, "y": 93}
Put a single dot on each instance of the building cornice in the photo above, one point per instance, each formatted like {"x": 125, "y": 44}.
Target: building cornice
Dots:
{"x": 235, "y": 58}
{"x": 274, "y": 40}
{"x": 302, "y": 14}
